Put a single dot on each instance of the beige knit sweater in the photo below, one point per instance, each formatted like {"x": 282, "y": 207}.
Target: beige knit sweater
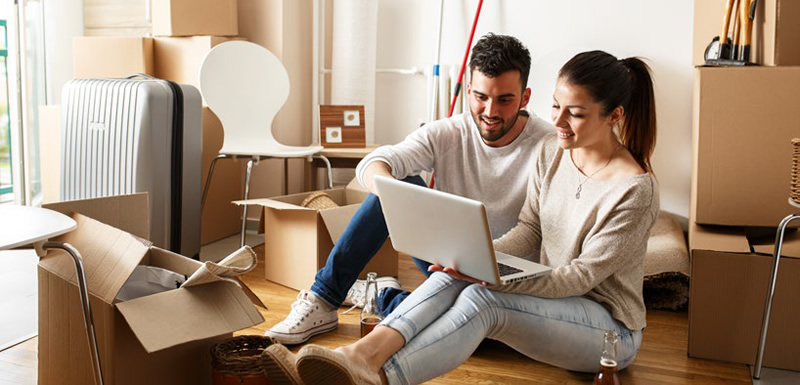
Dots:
{"x": 595, "y": 244}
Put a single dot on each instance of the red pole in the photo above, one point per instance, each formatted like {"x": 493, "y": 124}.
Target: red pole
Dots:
{"x": 464, "y": 62}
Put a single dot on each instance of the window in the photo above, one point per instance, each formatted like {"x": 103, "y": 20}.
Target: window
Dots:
{"x": 22, "y": 91}
{"x": 6, "y": 178}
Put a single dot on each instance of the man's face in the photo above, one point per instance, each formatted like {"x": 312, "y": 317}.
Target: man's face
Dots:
{"x": 495, "y": 103}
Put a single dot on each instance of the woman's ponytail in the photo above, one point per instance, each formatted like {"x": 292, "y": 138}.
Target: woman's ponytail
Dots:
{"x": 638, "y": 131}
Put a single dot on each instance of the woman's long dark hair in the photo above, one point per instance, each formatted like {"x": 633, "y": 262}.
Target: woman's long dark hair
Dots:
{"x": 626, "y": 83}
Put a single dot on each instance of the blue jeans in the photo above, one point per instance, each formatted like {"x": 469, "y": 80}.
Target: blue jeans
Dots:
{"x": 365, "y": 234}
{"x": 445, "y": 319}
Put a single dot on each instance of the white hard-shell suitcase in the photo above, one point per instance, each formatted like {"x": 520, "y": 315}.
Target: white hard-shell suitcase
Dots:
{"x": 123, "y": 136}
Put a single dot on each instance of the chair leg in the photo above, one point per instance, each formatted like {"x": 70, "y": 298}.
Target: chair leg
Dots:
{"x": 285, "y": 176}
{"x": 246, "y": 196}
{"x": 208, "y": 180}
{"x": 330, "y": 171}
{"x": 83, "y": 290}
{"x": 768, "y": 306}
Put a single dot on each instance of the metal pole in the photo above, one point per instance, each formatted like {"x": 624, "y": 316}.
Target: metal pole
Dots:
{"x": 768, "y": 306}
{"x": 435, "y": 84}
{"x": 88, "y": 320}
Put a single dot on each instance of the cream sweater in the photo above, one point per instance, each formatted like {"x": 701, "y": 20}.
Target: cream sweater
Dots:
{"x": 466, "y": 166}
{"x": 595, "y": 244}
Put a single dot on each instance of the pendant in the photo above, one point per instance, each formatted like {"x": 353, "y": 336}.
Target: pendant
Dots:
{"x": 578, "y": 193}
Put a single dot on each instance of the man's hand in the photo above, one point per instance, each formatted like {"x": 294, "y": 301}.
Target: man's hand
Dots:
{"x": 453, "y": 272}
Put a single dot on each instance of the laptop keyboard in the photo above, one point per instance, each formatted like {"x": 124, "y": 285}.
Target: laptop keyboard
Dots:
{"x": 506, "y": 269}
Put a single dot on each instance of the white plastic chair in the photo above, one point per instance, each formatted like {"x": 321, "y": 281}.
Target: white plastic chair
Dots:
{"x": 245, "y": 85}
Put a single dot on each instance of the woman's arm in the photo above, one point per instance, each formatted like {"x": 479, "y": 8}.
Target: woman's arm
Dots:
{"x": 619, "y": 244}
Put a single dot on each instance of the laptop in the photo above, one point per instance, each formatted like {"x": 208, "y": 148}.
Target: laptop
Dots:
{"x": 450, "y": 231}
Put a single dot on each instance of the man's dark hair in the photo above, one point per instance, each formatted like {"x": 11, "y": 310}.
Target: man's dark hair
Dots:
{"x": 494, "y": 55}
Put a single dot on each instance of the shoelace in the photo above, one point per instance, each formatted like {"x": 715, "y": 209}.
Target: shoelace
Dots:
{"x": 300, "y": 310}
{"x": 358, "y": 302}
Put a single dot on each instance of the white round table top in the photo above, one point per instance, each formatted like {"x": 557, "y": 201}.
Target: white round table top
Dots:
{"x": 24, "y": 225}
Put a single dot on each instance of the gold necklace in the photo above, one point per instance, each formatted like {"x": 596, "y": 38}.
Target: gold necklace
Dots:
{"x": 580, "y": 184}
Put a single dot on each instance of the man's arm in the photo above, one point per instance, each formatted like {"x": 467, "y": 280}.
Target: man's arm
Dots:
{"x": 377, "y": 167}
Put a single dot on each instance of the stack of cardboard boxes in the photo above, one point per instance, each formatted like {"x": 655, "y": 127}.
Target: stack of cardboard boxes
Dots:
{"x": 183, "y": 32}
{"x": 165, "y": 337}
{"x": 743, "y": 122}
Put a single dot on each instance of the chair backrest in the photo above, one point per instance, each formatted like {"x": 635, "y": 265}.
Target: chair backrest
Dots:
{"x": 245, "y": 85}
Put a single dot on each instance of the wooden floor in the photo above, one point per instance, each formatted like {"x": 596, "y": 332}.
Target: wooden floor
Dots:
{"x": 661, "y": 360}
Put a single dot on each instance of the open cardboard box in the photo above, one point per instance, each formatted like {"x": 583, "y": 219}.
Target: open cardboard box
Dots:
{"x": 297, "y": 240}
{"x": 730, "y": 269}
{"x": 162, "y": 338}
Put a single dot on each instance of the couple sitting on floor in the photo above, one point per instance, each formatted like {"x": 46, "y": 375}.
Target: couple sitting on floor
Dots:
{"x": 579, "y": 197}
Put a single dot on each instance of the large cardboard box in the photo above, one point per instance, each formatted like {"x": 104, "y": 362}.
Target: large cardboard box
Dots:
{"x": 220, "y": 217}
{"x": 730, "y": 269}
{"x": 297, "y": 240}
{"x": 743, "y": 122}
{"x": 195, "y": 17}
{"x": 111, "y": 57}
{"x": 776, "y": 32}
{"x": 179, "y": 58}
{"x": 162, "y": 338}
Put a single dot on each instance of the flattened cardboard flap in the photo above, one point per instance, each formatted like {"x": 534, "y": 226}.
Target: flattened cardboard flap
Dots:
{"x": 266, "y": 202}
{"x": 336, "y": 220}
{"x": 109, "y": 256}
{"x": 717, "y": 238}
{"x": 789, "y": 248}
{"x": 188, "y": 314}
{"x": 128, "y": 213}
{"x": 734, "y": 240}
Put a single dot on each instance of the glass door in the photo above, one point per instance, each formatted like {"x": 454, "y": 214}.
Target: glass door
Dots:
{"x": 22, "y": 91}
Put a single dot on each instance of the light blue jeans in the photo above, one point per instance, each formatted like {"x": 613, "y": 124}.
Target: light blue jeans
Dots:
{"x": 445, "y": 319}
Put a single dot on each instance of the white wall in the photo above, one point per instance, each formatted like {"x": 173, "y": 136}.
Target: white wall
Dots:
{"x": 553, "y": 31}
{"x": 63, "y": 19}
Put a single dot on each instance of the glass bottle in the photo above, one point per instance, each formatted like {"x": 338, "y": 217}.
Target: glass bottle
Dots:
{"x": 370, "y": 317}
{"x": 608, "y": 361}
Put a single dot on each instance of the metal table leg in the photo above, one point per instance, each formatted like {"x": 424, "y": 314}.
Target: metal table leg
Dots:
{"x": 768, "y": 306}
{"x": 87, "y": 308}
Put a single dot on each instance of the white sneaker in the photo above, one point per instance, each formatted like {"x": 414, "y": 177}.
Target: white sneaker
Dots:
{"x": 309, "y": 316}
{"x": 358, "y": 292}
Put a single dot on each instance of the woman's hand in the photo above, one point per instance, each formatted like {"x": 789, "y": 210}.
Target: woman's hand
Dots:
{"x": 453, "y": 272}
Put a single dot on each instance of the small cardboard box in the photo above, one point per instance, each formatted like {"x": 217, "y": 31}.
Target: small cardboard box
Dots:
{"x": 179, "y": 58}
{"x": 195, "y": 17}
{"x": 743, "y": 123}
{"x": 297, "y": 240}
{"x": 162, "y": 338}
{"x": 730, "y": 269}
{"x": 220, "y": 218}
{"x": 776, "y": 32}
{"x": 111, "y": 56}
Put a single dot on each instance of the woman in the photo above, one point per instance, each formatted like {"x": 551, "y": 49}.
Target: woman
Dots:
{"x": 591, "y": 202}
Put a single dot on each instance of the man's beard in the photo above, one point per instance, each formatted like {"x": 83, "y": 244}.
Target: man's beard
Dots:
{"x": 493, "y": 136}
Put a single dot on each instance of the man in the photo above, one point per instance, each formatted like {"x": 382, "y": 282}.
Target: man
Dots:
{"x": 485, "y": 155}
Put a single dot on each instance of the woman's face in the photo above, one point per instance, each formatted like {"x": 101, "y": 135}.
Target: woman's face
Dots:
{"x": 578, "y": 118}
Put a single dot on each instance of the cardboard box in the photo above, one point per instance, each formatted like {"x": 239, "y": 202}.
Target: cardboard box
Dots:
{"x": 111, "y": 57}
{"x": 776, "y": 32}
{"x": 297, "y": 240}
{"x": 195, "y": 17}
{"x": 179, "y": 58}
{"x": 220, "y": 217}
{"x": 162, "y": 338}
{"x": 728, "y": 292}
{"x": 743, "y": 123}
